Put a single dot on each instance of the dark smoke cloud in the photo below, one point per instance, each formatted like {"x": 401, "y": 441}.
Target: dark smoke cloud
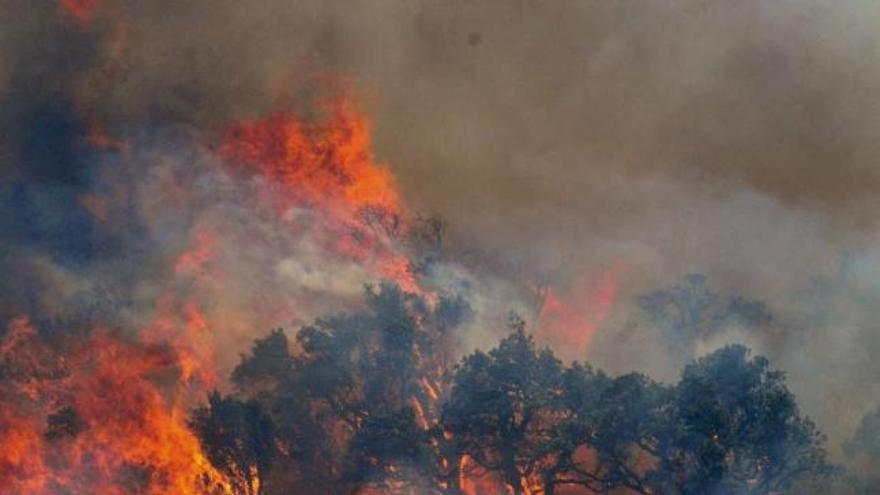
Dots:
{"x": 733, "y": 139}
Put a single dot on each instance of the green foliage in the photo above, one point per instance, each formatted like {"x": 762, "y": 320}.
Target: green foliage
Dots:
{"x": 619, "y": 420}
{"x": 730, "y": 426}
{"x": 270, "y": 360}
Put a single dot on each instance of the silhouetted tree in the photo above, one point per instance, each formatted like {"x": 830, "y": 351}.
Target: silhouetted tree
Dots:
{"x": 358, "y": 401}
{"x": 391, "y": 452}
{"x": 269, "y": 375}
{"x": 238, "y": 438}
{"x": 736, "y": 429}
{"x": 611, "y": 432}
{"x": 730, "y": 426}
{"x": 500, "y": 411}
{"x": 348, "y": 376}
{"x": 691, "y": 311}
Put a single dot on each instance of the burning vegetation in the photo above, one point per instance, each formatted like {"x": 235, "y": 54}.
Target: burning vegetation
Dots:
{"x": 375, "y": 399}
{"x": 264, "y": 315}
{"x": 369, "y": 402}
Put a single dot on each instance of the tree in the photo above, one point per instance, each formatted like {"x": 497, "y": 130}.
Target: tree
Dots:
{"x": 692, "y": 311}
{"x": 736, "y": 428}
{"x": 270, "y": 376}
{"x": 348, "y": 376}
{"x": 238, "y": 438}
{"x": 392, "y": 453}
{"x": 500, "y": 411}
{"x": 866, "y": 439}
{"x": 611, "y": 435}
{"x": 367, "y": 401}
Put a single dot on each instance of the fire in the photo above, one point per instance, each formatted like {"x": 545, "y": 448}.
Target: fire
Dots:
{"x": 81, "y": 10}
{"x": 185, "y": 326}
{"x": 474, "y": 480}
{"x": 193, "y": 261}
{"x": 397, "y": 268}
{"x": 328, "y": 163}
{"x": 106, "y": 412}
{"x": 108, "y": 419}
{"x": 325, "y": 173}
{"x": 22, "y": 469}
{"x": 569, "y": 320}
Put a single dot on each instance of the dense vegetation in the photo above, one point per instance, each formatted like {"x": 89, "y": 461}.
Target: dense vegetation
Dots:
{"x": 371, "y": 401}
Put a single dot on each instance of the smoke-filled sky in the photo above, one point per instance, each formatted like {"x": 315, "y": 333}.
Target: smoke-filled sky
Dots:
{"x": 576, "y": 143}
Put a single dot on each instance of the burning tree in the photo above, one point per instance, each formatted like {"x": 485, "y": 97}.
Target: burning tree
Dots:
{"x": 352, "y": 401}
{"x": 368, "y": 402}
{"x": 109, "y": 398}
{"x": 99, "y": 416}
{"x": 502, "y": 410}
{"x": 239, "y": 438}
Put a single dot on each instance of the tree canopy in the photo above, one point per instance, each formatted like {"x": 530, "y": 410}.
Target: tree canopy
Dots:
{"x": 373, "y": 402}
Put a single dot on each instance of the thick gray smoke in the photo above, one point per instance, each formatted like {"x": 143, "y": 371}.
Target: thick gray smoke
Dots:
{"x": 558, "y": 139}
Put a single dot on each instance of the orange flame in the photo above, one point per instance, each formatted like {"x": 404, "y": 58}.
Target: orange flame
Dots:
{"x": 127, "y": 399}
{"x": 125, "y": 435}
{"x": 194, "y": 260}
{"x": 568, "y": 321}
{"x": 328, "y": 163}
{"x": 81, "y": 10}
{"x": 328, "y": 167}
{"x": 100, "y": 139}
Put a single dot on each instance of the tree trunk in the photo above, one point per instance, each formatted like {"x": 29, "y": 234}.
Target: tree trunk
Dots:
{"x": 511, "y": 473}
{"x": 549, "y": 484}
{"x": 453, "y": 476}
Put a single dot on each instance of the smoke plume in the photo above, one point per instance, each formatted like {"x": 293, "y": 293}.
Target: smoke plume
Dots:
{"x": 581, "y": 154}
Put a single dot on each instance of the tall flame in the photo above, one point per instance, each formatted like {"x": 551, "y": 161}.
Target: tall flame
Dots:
{"x": 328, "y": 167}
{"x": 568, "y": 320}
{"x": 327, "y": 163}
{"x": 109, "y": 418}
{"x": 106, "y": 412}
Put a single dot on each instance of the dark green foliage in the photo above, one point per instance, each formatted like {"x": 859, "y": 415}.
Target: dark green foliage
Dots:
{"x": 730, "y": 426}
{"x": 270, "y": 360}
{"x": 620, "y": 421}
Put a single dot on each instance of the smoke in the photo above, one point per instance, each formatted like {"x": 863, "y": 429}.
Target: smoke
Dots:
{"x": 562, "y": 141}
